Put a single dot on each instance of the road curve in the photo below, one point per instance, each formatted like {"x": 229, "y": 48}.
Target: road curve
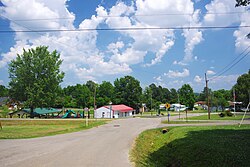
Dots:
{"x": 107, "y": 145}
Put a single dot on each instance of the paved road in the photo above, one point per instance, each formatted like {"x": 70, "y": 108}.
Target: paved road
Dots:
{"x": 106, "y": 145}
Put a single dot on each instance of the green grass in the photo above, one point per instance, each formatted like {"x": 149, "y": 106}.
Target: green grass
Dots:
{"x": 183, "y": 122}
{"x": 198, "y": 111}
{"x": 4, "y": 112}
{"x": 154, "y": 113}
{"x": 217, "y": 117}
{"x": 16, "y": 129}
{"x": 193, "y": 146}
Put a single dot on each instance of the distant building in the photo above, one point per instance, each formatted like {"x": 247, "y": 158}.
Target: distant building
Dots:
{"x": 177, "y": 107}
{"x": 200, "y": 103}
{"x": 114, "y": 111}
{"x": 162, "y": 106}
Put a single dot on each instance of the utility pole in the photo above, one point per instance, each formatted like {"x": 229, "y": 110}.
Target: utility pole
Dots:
{"x": 208, "y": 109}
{"x": 94, "y": 102}
{"x": 234, "y": 103}
{"x": 151, "y": 102}
{"x": 178, "y": 104}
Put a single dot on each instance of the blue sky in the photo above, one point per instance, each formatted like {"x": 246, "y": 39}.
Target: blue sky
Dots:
{"x": 166, "y": 57}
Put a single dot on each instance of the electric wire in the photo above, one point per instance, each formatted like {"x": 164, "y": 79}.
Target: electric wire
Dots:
{"x": 39, "y": 33}
{"x": 222, "y": 70}
{"x": 135, "y": 15}
{"x": 232, "y": 65}
{"x": 126, "y": 29}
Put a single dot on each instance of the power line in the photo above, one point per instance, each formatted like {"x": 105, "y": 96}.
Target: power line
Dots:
{"x": 231, "y": 66}
{"x": 44, "y": 19}
{"x": 135, "y": 15}
{"x": 125, "y": 29}
{"x": 39, "y": 33}
{"x": 179, "y": 14}
{"x": 222, "y": 70}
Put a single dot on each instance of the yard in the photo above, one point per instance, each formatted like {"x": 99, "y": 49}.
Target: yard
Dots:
{"x": 217, "y": 117}
{"x": 193, "y": 146}
{"x": 16, "y": 129}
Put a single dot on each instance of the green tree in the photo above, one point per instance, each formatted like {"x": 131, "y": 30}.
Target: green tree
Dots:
{"x": 77, "y": 96}
{"x": 35, "y": 77}
{"x": 92, "y": 86}
{"x": 166, "y": 95}
{"x": 106, "y": 89}
{"x": 3, "y": 91}
{"x": 147, "y": 98}
{"x": 242, "y": 88}
{"x": 128, "y": 91}
{"x": 220, "y": 98}
{"x": 105, "y": 93}
{"x": 173, "y": 96}
{"x": 82, "y": 96}
{"x": 186, "y": 94}
{"x": 157, "y": 93}
{"x": 242, "y": 3}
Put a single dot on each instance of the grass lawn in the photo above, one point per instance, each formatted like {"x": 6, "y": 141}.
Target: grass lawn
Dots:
{"x": 198, "y": 111}
{"x": 184, "y": 122}
{"x": 16, "y": 129}
{"x": 154, "y": 113}
{"x": 193, "y": 146}
{"x": 217, "y": 117}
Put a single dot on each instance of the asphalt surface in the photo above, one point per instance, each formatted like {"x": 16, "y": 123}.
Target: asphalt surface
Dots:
{"x": 107, "y": 145}
{"x": 103, "y": 146}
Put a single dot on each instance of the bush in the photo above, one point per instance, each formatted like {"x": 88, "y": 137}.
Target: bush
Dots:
{"x": 222, "y": 114}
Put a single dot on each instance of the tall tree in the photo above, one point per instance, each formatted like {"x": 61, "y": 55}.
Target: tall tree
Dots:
{"x": 92, "y": 86}
{"x": 174, "y": 96}
{"x": 203, "y": 95}
{"x": 3, "y": 91}
{"x": 187, "y": 95}
{"x": 77, "y": 96}
{"x": 166, "y": 95}
{"x": 242, "y": 88}
{"x": 105, "y": 93}
{"x": 157, "y": 93}
{"x": 35, "y": 77}
{"x": 82, "y": 96}
{"x": 147, "y": 97}
{"x": 220, "y": 98}
{"x": 128, "y": 91}
{"x": 106, "y": 89}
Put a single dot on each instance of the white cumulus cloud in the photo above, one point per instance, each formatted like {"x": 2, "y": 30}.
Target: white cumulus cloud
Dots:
{"x": 210, "y": 72}
{"x": 177, "y": 74}
{"x": 197, "y": 79}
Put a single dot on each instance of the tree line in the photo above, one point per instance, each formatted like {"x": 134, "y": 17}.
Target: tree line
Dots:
{"x": 35, "y": 79}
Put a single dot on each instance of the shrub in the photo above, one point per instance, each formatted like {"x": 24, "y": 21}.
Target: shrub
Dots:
{"x": 222, "y": 114}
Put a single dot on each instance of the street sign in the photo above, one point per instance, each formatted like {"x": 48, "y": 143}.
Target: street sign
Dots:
{"x": 167, "y": 105}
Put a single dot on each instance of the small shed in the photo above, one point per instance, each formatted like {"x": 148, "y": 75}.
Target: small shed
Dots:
{"x": 114, "y": 111}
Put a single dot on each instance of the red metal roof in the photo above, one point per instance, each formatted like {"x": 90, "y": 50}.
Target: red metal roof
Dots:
{"x": 120, "y": 107}
{"x": 200, "y": 102}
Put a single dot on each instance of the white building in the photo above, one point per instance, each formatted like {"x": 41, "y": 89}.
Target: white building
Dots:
{"x": 114, "y": 111}
{"x": 177, "y": 107}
